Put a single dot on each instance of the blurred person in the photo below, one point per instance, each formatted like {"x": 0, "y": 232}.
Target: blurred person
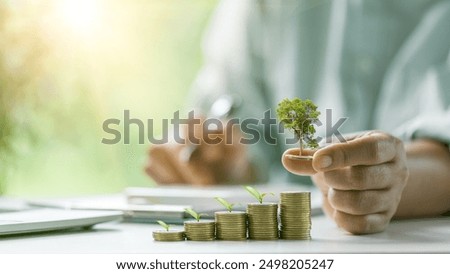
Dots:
{"x": 383, "y": 64}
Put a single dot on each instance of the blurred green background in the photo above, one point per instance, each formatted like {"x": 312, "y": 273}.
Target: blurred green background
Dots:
{"x": 67, "y": 65}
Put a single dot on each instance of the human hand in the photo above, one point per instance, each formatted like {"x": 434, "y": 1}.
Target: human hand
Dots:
{"x": 362, "y": 180}
{"x": 210, "y": 163}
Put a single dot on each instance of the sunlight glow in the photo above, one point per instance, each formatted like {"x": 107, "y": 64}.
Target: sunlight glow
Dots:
{"x": 81, "y": 16}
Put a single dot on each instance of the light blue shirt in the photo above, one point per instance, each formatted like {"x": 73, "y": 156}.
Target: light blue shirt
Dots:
{"x": 383, "y": 64}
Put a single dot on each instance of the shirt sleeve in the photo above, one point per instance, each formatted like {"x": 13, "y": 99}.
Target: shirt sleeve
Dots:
{"x": 232, "y": 66}
{"x": 433, "y": 121}
{"x": 415, "y": 99}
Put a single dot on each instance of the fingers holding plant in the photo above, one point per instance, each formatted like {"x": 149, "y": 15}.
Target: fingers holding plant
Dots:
{"x": 298, "y": 166}
{"x": 362, "y": 180}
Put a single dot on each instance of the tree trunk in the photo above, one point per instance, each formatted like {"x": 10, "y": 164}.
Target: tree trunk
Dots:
{"x": 301, "y": 144}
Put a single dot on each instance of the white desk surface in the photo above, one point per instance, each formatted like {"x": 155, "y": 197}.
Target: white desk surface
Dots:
{"x": 409, "y": 236}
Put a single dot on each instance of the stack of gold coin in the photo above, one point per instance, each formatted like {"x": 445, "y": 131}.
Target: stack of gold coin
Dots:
{"x": 295, "y": 215}
{"x": 231, "y": 226}
{"x": 200, "y": 231}
{"x": 262, "y": 221}
{"x": 168, "y": 236}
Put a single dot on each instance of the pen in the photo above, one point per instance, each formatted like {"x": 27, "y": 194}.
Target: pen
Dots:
{"x": 222, "y": 108}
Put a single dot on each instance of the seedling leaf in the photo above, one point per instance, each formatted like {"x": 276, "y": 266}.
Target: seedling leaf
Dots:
{"x": 194, "y": 214}
{"x": 164, "y": 225}
{"x": 254, "y": 193}
{"x": 225, "y": 203}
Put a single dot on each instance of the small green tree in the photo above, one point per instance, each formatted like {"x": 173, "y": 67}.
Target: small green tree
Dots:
{"x": 300, "y": 116}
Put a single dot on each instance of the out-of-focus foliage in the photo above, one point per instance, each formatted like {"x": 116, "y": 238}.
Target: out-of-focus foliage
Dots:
{"x": 21, "y": 50}
{"x": 101, "y": 57}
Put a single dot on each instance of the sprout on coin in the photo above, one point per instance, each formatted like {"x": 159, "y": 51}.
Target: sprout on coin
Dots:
{"x": 163, "y": 224}
{"x": 225, "y": 203}
{"x": 255, "y": 193}
{"x": 300, "y": 116}
{"x": 194, "y": 214}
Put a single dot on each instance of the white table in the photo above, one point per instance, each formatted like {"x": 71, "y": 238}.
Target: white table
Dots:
{"x": 409, "y": 236}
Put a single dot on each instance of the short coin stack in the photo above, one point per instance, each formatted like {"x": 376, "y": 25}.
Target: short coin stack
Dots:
{"x": 262, "y": 221}
{"x": 231, "y": 226}
{"x": 200, "y": 231}
{"x": 168, "y": 236}
{"x": 295, "y": 215}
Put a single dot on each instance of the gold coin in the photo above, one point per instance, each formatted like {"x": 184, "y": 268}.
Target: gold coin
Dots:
{"x": 262, "y": 216}
{"x": 269, "y": 207}
{"x": 289, "y": 194}
{"x": 303, "y": 238}
{"x": 295, "y": 215}
{"x": 295, "y": 221}
{"x": 288, "y": 207}
{"x": 298, "y": 206}
{"x": 264, "y": 237}
{"x": 231, "y": 226}
{"x": 168, "y": 236}
{"x": 200, "y": 231}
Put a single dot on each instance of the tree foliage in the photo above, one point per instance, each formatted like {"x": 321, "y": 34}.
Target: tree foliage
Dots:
{"x": 300, "y": 116}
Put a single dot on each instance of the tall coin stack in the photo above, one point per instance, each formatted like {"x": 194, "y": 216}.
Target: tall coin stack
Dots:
{"x": 199, "y": 231}
{"x": 231, "y": 226}
{"x": 295, "y": 215}
{"x": 168, "y": 236}
{"x": 262, "y": 221}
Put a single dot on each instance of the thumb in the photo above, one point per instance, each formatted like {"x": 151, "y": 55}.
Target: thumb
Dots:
{"x": 298, "y": 166}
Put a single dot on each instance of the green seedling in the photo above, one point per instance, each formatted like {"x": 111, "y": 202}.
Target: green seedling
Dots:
{"x": 300, "y": 116}
{"x": 194, "y": 214}
{"x": 255, "y": 193}
{"x": 225, "y": 203}
{"x": 164, "y": 225}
